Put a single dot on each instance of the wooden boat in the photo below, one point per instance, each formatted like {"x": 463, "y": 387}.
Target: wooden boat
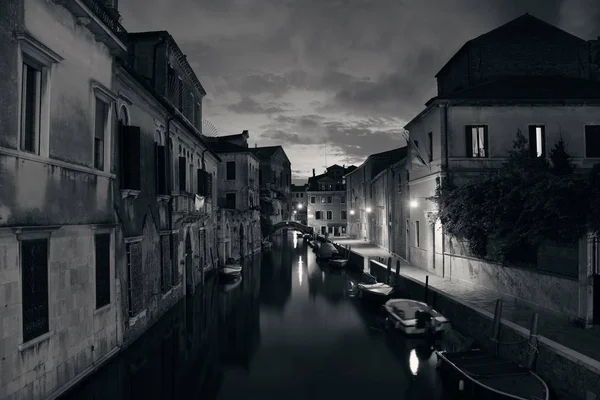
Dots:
{"x": 378, "y": 291}
{"x": 480, "y": 375}
{"x": 415, "y": 317}
{"x": 307, "y": 237}
{"x": 231, "y": 271}
{"x": 338, "y": 262}
{"x": 229, "y": 286}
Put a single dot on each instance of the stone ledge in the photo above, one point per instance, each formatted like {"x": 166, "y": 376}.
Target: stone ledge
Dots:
{"x": 27, "y": 345}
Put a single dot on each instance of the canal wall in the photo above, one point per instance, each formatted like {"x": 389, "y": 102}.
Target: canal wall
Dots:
{"x": 569, "y": 374}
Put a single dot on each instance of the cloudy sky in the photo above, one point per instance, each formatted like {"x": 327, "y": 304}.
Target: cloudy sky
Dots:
{"x": 331, "y": 80}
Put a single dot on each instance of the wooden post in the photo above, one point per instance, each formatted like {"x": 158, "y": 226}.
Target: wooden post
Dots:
{"x": 397, "y": 272}
{"x": 533, "y": 342}
{"x": 426, "y": 287}
{"x": 389, "y": 270}
{"x": 496, "y": 325}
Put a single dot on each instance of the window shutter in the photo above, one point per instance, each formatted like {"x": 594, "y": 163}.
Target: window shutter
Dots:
{"x": 161, "y": 169}
{"x": 201, "y": 175}
{"x": 209, "y": 186}
{"x": 486, "y": 143}
{"x": 182, "y": 168}
{"x": 469, "y": 141}
{"x": 532, "y": 144}
{"x": 543, "y": 141}
{"x": 132, "y": 168}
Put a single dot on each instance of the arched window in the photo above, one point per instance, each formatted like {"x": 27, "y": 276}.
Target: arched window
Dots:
{"x": 124, "y": 115}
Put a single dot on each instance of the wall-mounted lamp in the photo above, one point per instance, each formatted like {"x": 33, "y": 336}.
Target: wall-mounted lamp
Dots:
{"x": 368, "y": 209}
{"x": 413, "y": 203}
{"x": 351, "y": 212}
{"x": 300, "y": 206}
{"x": 294, "y": 211}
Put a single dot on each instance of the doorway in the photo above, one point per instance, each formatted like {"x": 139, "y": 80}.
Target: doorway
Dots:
{"x": 594, "y": 258}
{"x": 189, "y": 266}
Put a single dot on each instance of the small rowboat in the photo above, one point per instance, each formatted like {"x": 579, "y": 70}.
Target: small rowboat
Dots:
{"x": 229, "y": 286}
{"x": 231, "y": 271}
{"x": 414, "y": 317}
{"x": 337, "y": 262}
{"x": 480, "y": 375}
{"x": 376, "y": 291}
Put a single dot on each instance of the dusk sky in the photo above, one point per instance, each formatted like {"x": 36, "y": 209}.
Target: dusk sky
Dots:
{"x": 332, "y": 81}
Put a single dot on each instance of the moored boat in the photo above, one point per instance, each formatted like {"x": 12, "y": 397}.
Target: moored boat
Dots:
{"x": 231, "y": 271}
{"x": 415, "y": 317}
{"x": 338, "y": 262}
{"x": 375, "y": 291}
{"x": 480, "y": 375}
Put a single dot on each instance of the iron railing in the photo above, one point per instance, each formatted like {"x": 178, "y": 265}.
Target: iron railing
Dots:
{"x": 109, "y": 18}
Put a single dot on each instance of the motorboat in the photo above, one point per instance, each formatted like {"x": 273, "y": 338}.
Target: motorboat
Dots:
{"x": 481, "y": 375}
{"x": 326, "y": 251}
{"x": 307, "y": 237}
{"x": 376, "y": 291}
{"x": 229, "y": 286}
{"x": 231, "y": 271}
{"x": 415, "y": 317}
{"x": 338, "y": 262}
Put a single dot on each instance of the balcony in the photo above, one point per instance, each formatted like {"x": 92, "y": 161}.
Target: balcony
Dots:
{"x": 189, "y": 207}
{"x": 103, "y": 21}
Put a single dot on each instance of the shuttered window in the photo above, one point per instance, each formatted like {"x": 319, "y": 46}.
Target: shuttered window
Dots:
{"x": 34, "y": 269}
{"x": 161, "y": 169}
{"x": 135, "y": 277}
{"x": 102, "y": 247}
{"x": 165, "y": 257}
{"x": 130, "y": 156}
{"x": 182, "y": 174}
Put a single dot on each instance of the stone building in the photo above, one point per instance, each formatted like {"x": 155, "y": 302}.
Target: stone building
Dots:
{"x": 183, "y": 166}
{"x": 275, "y": 180}
{"x": 299, "y": 203}
{"x": 58, "y": 297}
{"x": 365, "y": 207}
{"x": 238, "y": 197}
{"x": 326, "y": 195}
{"x": 526, "y": 75}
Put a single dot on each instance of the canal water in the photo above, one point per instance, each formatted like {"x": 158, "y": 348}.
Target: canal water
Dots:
{"x": 291, "y": 329}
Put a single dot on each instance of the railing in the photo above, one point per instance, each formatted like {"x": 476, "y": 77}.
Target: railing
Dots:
{"x": 109, "y": 17}
{"x": 186, "y": 203}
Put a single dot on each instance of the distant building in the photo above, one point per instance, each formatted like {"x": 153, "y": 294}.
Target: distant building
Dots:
{"x": 526, "y": 75}
{"x": 377, "y": 200}
{"x": 326, "y": 194}
{"x": 299, "y": 203}
{"x": 238, "y": 196}
{"x": 275, "y": 180}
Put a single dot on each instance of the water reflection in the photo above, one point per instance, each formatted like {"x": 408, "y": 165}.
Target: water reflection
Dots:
{"x": 290, "y": 328}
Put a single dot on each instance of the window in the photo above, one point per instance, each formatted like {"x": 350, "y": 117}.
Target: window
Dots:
{"x": 344, "y": 216}
{"x": 329, "y": 214}
{"x": 161, "y": 165}
{"x": 260, "y": 177}
{"x": 343, "y": 230}
{"x": 330, "y": 229}
{"x": 31, "y": 93}
{"x": 230, "y": 170}
{"x": 230, "y": 200}
{"x": 317, "y": 214}
{"x": 399, "y": 183}
{"x": 175, "y": 259}
{"x": 477, "y": 141}
{"x": 135, "y": 277}
{"x": 323, "y": 199}
{"x": 592, "y": 141}
{"x": 417, "y": 234}
{"x": 343, "y": 199}
{"x": 302, "y": 195}
{"x": 430, "y": 140}
{"x": 313, "y": 199}
{"x": 537, "y": 141}
{"x": 100, "y": 125}
{"x": 165, "y": 263}
{"x": 34, "y": 290}
{"x": 329, "y": 199}
{"x": 102, "y": 244}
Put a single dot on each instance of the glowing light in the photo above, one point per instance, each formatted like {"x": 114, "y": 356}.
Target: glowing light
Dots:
{"x": 300, "y": 274}
{"x": 368, "y": 209}
{"x": 299, "y": 206}
{"x": 413, "y": 203}
{"x": 300, "y": 260}
{"x": 295, "y": 241}
{"x": 413, "y": 362}
{"x": 351, "y": 212}
{"x": 294, "y": 211}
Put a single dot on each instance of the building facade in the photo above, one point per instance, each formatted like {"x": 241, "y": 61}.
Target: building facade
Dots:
{"x": 238, "y": 198}
{"x": 327, "y": 207}
{"x": 299, "y": 203}
{"x": 275, "y": 180}
{"x": 167, "y": 217}
{"x": 57, "y": 228}
{"x": 545, "y": 87}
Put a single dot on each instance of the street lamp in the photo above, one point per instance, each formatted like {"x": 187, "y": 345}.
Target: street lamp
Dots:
{"x": 413, "y": 203}
{"x": 300, "y": 206}
{"x": 351, "y": 212}
{"x": 368, "y": 209}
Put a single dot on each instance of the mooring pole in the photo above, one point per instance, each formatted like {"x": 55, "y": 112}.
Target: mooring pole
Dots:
{"x": 496, "y": 325}
{"x": 397, "y": 272}
{"x": 389, "y": 270}
{"x": 426, "y": 287}
{"x": 533, "y": 342}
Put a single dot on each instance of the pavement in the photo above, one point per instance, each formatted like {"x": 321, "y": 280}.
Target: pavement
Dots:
{"x": 555, "y": 327}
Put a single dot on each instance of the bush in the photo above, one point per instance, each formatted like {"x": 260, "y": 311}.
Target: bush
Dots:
{"x": 519, "y": 206}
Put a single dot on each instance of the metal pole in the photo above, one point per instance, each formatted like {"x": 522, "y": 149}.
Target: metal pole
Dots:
{"x": 496, "y": 326}
{"x": 389, "y": 270}
{"x": 426, "y": 287}
{"x": 533, "y": 341}
{"x": 397, "y": 272}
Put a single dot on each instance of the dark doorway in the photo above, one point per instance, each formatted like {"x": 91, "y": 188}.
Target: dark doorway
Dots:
{"x": 594, "y": 251}
{"x": 189, "y": 266}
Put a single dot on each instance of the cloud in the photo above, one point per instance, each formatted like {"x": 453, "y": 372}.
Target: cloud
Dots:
{"x": 247, "y": 105}
{"x": 289, "y": 138}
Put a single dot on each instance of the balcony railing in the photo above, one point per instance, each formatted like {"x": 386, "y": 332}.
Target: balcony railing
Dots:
{"x": 103, "y": 21}
{"x": 186, "y": 203}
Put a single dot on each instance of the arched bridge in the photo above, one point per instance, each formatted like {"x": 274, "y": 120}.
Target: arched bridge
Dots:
{"x": 292, "y": 225}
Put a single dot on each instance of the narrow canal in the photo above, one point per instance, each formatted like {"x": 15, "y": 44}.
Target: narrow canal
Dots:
{"x": 290, "y": 330}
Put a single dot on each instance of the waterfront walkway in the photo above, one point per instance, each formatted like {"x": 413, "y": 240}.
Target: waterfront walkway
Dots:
{"x": 551, "y": 326}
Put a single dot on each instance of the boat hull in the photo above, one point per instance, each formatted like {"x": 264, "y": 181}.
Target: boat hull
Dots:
{"x": 368, "y": 294}
{"x": 338, "y": 263}
{"x": 401, "y": 315}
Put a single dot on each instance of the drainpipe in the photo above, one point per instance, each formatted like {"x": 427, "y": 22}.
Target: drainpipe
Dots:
{"x": 447, "y": 159}
{"x": 170, "y": 171}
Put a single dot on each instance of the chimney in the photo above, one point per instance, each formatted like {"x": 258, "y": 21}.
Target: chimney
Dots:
{"x": 245, "y": 132}
{"x": 255, "y": 145}
{"x": 313, "y": 172}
